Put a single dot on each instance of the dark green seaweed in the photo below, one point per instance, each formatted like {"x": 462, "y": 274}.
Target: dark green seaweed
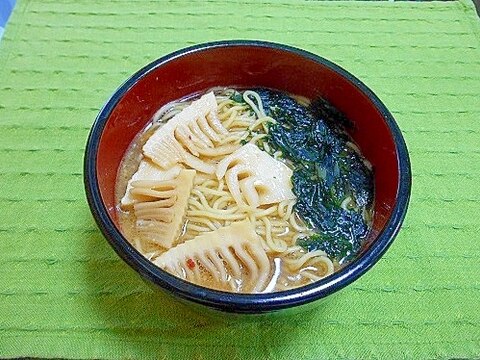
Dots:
{"x": 237, "y": 97}
{"x": 326, "y": 172}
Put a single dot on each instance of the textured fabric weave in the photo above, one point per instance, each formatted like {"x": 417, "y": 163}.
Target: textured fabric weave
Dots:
{"x": 64, "y": 292}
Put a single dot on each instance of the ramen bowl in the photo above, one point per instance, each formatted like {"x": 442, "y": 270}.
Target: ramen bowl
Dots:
{"x": 248, "y": 64}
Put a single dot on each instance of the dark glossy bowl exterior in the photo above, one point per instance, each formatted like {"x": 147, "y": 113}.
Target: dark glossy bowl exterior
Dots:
{"x": 248, "y": 64}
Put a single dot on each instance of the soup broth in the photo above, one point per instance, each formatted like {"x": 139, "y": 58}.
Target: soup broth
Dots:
{"x": 246, "y": 190}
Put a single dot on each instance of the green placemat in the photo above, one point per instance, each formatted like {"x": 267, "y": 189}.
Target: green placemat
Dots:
{"x": 63, "y": 291}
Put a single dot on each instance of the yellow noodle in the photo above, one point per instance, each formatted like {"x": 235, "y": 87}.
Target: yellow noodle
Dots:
{"x": 210, "y": 191}
{"x": 242, "y": 124}
{"x": 221, "y": 185}
{"x": 263, "y": 122}
{"x": 258, "y": 107}
{"x": 229, "y": 121}
{"x": 201, "y": 220}
{"x": 285, "y": 209}
{"x": 293, "y": 221}
{"x": 257, "y": 137}
{"x": 266, "y": 212}
{"x": 277, "y": 245}
{"x": 223, "y": 202}
{"x": 215, "y": 215}
{"x": 234, "y": 137}
{"x": 310, "y": 266}
{"x": 296, "y": 264}
{"x": 197, "y": 228}
{"x": 267, "y": 148}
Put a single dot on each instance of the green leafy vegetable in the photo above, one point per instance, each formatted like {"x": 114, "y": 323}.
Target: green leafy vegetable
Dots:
{"x": 328, "y": 172}
{"x": 237, "y": 97}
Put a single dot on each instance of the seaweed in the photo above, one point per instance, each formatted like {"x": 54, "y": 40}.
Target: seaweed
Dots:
{"x": 328, "y": 172}
{"x": 237, "y": 97}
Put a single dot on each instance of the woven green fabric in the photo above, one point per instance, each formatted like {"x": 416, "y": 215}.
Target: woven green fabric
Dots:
{"x": 65, "y": 293}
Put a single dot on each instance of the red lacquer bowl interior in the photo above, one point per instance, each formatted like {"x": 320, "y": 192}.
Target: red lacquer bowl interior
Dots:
{"x": 255, "y": 64}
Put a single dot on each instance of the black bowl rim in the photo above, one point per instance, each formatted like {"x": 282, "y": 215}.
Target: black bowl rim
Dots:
{"x": 245, "y": 303}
